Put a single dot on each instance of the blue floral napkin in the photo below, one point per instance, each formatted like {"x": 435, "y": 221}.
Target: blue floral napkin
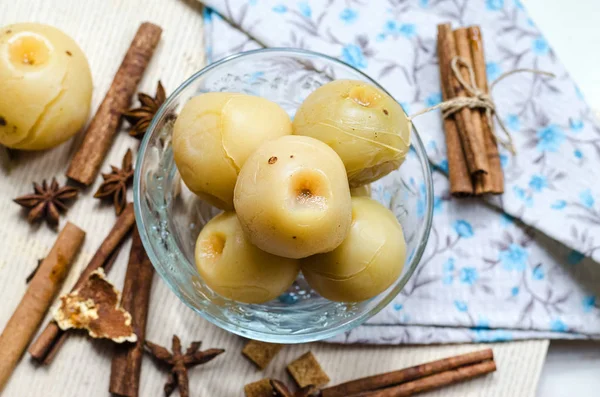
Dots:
{"x": 516, "y": 267}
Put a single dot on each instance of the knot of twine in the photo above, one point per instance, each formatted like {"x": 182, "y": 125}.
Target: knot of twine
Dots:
{"x": 478, "y": 99}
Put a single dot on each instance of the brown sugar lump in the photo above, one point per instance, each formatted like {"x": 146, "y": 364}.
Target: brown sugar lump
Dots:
{"x": 306, "y": 371}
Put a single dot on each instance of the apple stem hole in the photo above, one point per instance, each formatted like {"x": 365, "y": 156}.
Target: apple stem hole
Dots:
{"x": 214, "y": 245}
{"x": 29, "y": 50}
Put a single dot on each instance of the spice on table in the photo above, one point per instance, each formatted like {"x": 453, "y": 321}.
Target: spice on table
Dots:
{"x": 261, "y": 353}
{"x": 272, "y": 387}
{"x": 115, "y": 184}
{"x": 436, "y": 381}
{"x": 281, "y": 390}
{"x": 493, "y": 181}
{"x": 418, "y": 378}
{"x": 44, "y": 286}
{"x": 99, "y": 135}
{"x": 47, "y": 344}
{"x": 127, "y": 359}
{"x": 47, "y": 201}
{"x": 140, "y": 118}
{"x": 307, "y": 371}
{"x": 179, "y": 363}
{"x": 95, "y": 307}
{"x": 33, "y": 272}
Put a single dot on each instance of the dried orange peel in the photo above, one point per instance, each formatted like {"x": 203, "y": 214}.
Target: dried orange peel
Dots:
{"x": 96, "y": 307}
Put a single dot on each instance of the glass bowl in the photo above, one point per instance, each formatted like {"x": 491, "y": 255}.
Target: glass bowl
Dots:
{"x": 170, "y": 217}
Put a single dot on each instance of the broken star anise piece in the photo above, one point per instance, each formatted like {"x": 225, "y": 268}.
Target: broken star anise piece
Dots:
{"x": 115, "y": 184}
{"x": 179, "y": 363}
{"x": 47, "y": 201}
{"x": 281, "y": 390}
{"x": 140, "y": 118}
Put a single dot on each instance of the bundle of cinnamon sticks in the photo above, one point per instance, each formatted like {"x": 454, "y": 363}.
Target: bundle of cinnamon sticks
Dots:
{"x": 473, "y": 160}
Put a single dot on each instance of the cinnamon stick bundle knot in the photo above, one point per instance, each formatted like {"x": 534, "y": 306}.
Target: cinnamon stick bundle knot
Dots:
{"x": 473, "y": 159}
{"x": 479, "y": 99}
{"x": 468, "y": 112}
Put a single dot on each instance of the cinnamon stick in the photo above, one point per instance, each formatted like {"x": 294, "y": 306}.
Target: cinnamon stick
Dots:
{"x": 473, "y": 148}
{"x": 474, "y": 129}
{"x": 481, "y": 182}
{"x": 408, "y": 374}
{"x": 127, "y": 359}
{"x": 458, "y": 173}
{"x": 45, "y": 347}
{"x": 436, "y": 381}
{"x": 99, "y": 136}
{"x": 493, "y": 182}
{"x": 44, "y": 286}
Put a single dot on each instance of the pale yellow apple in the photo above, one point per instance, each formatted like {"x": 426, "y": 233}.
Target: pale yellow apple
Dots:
{"x": 292, "y": 197}
{"x": 234, "y": 268}
{"x": 369, "y": 260}
{"x": 365, "y": 126}
{"x": 215, "y": 133}
{"x": 45, "y": 86}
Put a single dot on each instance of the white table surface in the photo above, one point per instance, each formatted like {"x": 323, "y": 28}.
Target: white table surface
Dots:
{"x": 571, "y": 368}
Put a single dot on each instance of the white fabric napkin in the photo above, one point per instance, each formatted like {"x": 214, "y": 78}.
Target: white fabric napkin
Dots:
{"x": 523, "y": 270}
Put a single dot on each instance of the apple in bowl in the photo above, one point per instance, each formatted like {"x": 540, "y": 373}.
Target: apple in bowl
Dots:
{"x": 292, "y": 197}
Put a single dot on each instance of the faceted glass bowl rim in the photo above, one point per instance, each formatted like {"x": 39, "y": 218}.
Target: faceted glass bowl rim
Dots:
{"x": 235, "y": 328}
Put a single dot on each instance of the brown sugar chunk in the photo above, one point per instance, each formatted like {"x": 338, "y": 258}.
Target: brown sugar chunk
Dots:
{"x": 261, "y": 353}
{"x": 306, "y": 370}
{"x": 261, "y": 388}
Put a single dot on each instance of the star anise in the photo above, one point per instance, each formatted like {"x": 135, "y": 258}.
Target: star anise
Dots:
{"x": 115, "y": 183}
{"x": 140, "y": 118}
{"x": 179, "y": 363}
{"x": 47, "y": 201}
{"x": 281, "y": 390}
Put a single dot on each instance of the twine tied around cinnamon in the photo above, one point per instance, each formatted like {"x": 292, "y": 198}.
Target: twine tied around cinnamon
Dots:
{"x": 478, "y": 99}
